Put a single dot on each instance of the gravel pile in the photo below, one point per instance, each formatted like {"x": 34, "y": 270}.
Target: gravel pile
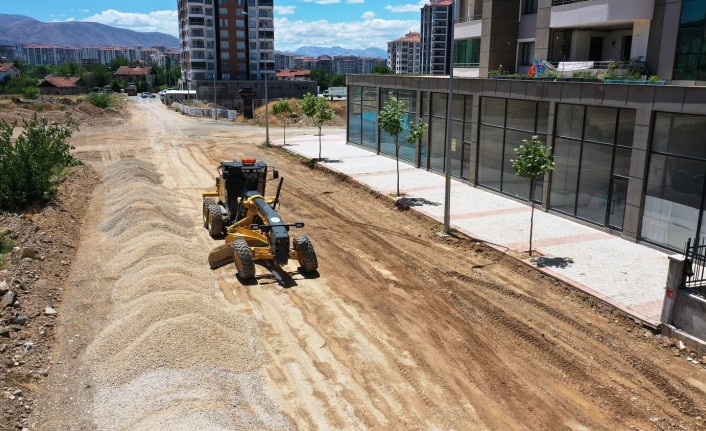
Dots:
{"x": 176, "y": 355}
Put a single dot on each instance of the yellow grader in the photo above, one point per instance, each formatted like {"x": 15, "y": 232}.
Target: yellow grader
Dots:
{"x": 253, "y": 229}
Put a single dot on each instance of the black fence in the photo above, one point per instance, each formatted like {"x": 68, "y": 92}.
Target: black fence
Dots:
{"x": 695, "y": 268}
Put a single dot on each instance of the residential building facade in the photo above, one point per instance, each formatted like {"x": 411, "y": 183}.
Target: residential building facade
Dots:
{"x": 404, "y": 54}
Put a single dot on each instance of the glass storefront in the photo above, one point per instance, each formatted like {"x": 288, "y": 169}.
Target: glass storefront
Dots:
{"x": 504, "y": 124}
{"x": 592, "y": 148}
{"x": 387, "y": 144}
{"x": 673, "y": 209}
{"x": 362, "y": 116}
{"x": 690, "y": 61}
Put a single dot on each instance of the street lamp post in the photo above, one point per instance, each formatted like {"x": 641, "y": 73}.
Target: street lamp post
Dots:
{"x": 449, "y": 128}
{"x": 215, "y": 108}
{"x": 267, "y": 112}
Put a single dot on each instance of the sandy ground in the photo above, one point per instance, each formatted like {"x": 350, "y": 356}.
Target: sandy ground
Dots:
{"x": 401, "y": 329}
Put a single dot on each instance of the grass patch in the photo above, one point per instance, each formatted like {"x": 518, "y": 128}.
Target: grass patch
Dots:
{"x": 6, "y": 246}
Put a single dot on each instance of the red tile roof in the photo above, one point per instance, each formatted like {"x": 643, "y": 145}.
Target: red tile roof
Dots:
{"x": 4, "y": 67}
{"x": 61, "y": 81}
{"x": 286, "y": 73}
{"x": 133, "y": 71}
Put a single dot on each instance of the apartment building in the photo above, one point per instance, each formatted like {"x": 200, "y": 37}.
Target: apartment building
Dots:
{"x": 404, "y": 54}
{"x": 666, "y": 34}
{"x": 436, "y": 23}
{"x": 226, "y": 40}
{"x": 630, "y": 159}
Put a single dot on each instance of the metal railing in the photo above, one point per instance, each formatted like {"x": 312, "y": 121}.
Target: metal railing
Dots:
{"x": 695, "y": 269}
{"x": 466, "y": 65}
{"x": 563, "y": 2}
{"x": 475, "y": 17}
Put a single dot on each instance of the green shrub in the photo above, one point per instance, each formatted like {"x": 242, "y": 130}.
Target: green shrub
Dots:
{"x": 6, "y": 246}
{"x": 30, "y": 93}
{"x": 101, "y": 100}
{"x": 32, "y": 163}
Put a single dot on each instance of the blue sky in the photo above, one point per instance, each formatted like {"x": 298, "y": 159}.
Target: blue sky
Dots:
{"x": 347, "y": 23}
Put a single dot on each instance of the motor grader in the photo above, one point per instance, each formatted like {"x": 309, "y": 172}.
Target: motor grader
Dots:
{"x": 253, "y": 230}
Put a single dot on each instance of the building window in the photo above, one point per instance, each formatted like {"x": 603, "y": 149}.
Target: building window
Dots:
{"x": 225, "y": 44}
{"x": 362, "y": 116}
{"x": 673, "y": 210}
{"x": 504, "y": 124}
{"x": 530, "y": 6}
{"x": 526, "y": 53}
{"x": 223, "y": 22}
{"x": 225, "y": 55}
{"x": 690, "y": 62}
{"x": 467, "y": 52}
{"x": 592, "y": 147}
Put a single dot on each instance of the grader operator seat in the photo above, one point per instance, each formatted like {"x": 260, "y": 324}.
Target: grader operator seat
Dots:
{"x": 240, "y": 177}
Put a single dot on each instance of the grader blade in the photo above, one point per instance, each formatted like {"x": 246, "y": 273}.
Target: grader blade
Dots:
{"x": 219, "y": 256}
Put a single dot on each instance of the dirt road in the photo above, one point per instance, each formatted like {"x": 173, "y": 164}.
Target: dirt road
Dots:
{"x": 402, "y": 329}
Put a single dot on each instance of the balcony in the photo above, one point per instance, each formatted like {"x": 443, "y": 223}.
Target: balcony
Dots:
{"x": 599, "y": 13}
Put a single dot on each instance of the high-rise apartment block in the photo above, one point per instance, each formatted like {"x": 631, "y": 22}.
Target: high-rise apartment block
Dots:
{"x": 404, "y": 54}
{"x": 437, "y": 21}
{"x": 226, "y": 39}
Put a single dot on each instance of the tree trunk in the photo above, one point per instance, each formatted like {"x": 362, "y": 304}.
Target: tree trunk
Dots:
{"x": 319, "y": 143}
{"x": 531, "y": 214}
{"x": 397, "y": 159}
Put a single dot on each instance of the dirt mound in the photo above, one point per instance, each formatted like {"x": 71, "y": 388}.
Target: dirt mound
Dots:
{"x": 297, "y": 119}
{"x": 56, "y": 110}
{"x": 169, "y": 335}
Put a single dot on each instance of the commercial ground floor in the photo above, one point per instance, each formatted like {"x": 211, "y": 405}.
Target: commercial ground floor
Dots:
{"x": 629, "y": 158}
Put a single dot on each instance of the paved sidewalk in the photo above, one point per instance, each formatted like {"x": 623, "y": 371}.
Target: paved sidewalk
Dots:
{"x": 629, "y": 276}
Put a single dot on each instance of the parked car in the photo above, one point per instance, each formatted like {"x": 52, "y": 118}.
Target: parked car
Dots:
{"x": 145, "y": 94}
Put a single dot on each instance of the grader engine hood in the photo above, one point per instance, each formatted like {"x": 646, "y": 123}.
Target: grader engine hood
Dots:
{"x": 279, "y": 236}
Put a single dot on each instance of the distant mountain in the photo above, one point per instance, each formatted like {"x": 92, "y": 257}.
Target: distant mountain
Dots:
{"x": 316, "y": 51}
{"x": 22, "y": 29}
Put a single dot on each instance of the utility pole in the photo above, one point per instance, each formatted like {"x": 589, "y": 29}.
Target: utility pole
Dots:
{"x": 449, "y": 129}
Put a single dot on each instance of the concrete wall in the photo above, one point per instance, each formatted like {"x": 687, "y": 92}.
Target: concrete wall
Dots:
{"x": 601, "y": 12}
{"x": 499, "y": 35}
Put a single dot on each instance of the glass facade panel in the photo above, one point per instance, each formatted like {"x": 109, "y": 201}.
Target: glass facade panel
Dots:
{"x": 562, "y": 195}
{"x": 600, "y": 124}
{"x": 521, "y": 114}
{"x": 626, "y": 127}
{"x": 458, "y": 105}
{"x": 493, "y": 111}
{"x": 594, "y": 183}
{"x": 679, "y": 134}
{"x": 438, "y": 104}
{"x": 437, "y": 143}
{"x": 543, "y": 118}
{"x": 468, "y": 115}
{"x": 369, "y": 127}
{"x": 490, "y": 161}
{"x": 622, "y": 161}
{"x": 569, "y": 121}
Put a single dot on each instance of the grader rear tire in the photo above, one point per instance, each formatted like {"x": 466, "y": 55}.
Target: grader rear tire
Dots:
{"x": 244, "y": 261}
{"x": 305, "y": 253}
{"x": 215, "y": 220}
{"x": 206, "y": 205}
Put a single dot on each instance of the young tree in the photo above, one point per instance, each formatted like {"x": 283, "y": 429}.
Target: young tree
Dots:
{"x": 382, "y": 69}
{"x": 392, "y": 121}
{"x": 283, "y": 109}
{"x": 532, "y": 159}
{"x": 318, "y": 109}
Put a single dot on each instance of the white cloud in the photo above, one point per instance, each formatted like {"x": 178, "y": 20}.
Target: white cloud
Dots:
{"x": 355, "y": 1}
{"x": 369, "y": 15}
{"x": 285, "y": 10}
{"x": 164, "y": 21}
{"x": 407, "y": 7}
{"x": 370, "y": 33}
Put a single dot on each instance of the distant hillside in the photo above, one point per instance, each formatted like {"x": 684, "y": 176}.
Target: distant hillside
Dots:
{"x": 16, "y": 29}
{"x": 316, "y": 51}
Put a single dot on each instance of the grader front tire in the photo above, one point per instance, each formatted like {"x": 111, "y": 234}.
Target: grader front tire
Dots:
{"x": 244, "y": 260}
{"x": 305, "y": 254}
{"x": 205, "y": 211}
{"x": 215, "y": 220}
